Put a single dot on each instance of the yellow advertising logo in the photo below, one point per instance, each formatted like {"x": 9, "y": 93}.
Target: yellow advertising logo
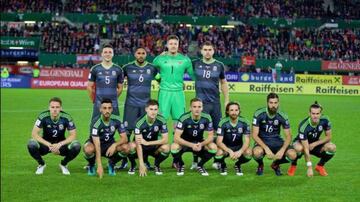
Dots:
{"x": 318, "y": 79}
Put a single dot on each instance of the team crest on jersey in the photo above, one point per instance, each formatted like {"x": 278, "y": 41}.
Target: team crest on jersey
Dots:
{"x": 301, "y": 136}
{"x": 148, "y": 71}
{"x": 200, "y": 66}
{"x": 100, "y": 73}
{"x": 179, "y": 125}
{"x": 240, "y": 130}
{"x": 228, "y": 130}
{"x": 156, "y": 128}
{"x": 61, "y": 127}
{"x": 112, "y": 128}
{"x": 144, "y": 131}
{"x": 180, "y": 62}
{"x": 49, "y": 126}
{"x": 214, "y": 68}
{"x": 189, "y": 126}
{"x": 320, "y": 128}
{"x": 276, "y": 122}
{"x": 113, "y": 73}
{"x": 134, "y": 71}
{"x": 202, "y": 126}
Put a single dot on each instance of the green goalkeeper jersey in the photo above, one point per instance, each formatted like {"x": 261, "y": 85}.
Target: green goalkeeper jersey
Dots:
{"x": 172, "y": 70}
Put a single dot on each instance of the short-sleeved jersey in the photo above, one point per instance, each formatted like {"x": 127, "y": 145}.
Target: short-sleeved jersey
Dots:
{"x": 54, "y": 131}
{"x": 172, "y": 70}
{"x": 139, "y": 83}
{"x": 233, "y": 133}
{"x": 106, "y": 131}
{"x": 193, "y": 131}
{"x": 151, "y": 132}
{"x": 310, "y": 132}
{"x": 106, "y": 81}
{"x": 269, "y": 126}
{"x": 207, "y": 80}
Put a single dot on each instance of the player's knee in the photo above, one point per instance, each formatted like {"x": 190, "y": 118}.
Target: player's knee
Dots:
{"x": 258, "y": 152}
{"x": 212, "y": 146}
{"x": 219, "y": 152}
{"x": 33, "y": 144}
{"x": 330, "y": 147}
{"x": 125, "y": 148}
{"x": 165, "y": 148}
{"x": 298, "y": 147}
{"x": 291, "y": 153}
{"x": 248, "y": 152}
{"x": 132, "y": 146}
{"x": 75, "y": 145}
{"x": 175, "y": 146}
{"x": 89, "y": 149}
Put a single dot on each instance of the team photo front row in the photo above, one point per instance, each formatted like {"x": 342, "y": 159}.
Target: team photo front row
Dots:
{"x": 194, "y": 132}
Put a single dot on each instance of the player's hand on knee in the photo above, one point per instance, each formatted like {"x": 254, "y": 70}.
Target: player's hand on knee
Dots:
{"x": 142, "y": 170}
{"x": 279, "y": 154}
{"x": 111, "y": 150}
{"x": 238, "y": 154}
{"x": 311, "y": 146}
{"x": 232, "y": 155}
{"x": 53, "y": 148}
{"x": 100, "y": 171}
{"x": 138, "y": 139}
{"x": 197, "y": 147}
{"x": 269, "y": 153}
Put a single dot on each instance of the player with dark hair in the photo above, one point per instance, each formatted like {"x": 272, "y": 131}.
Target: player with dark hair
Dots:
{"x": 266, "y": 133}
{"x": 209, "y": 72}
{"x": 148, "y": 130}
{"x": 54, "y": 123}
{"x": 189, "y": 137}
{"x": 308, "y": 141}
{"x": 102, "y": 141}
{"x": 105, "y": 81}
{"x": 233, "y": 139}
{"x": 139, "y": 75}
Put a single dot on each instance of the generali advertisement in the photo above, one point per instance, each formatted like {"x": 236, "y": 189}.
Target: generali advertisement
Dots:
{"x": 61, "y": 78}
{"x": 340, "y": 66}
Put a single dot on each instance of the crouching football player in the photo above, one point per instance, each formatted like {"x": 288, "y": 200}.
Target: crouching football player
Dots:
{"x": 102, "y": 141}
{"x": 189, "y": 137}
{"x": 54, "y": 123}
{"x": 308, "y": 141}
{"x": 148, "y": 129}
{"x": 233, "y": 139}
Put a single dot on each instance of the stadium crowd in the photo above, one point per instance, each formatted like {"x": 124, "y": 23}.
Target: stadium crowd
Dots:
{"x": 260, "y": 41}
{"x": 238, "y": 9}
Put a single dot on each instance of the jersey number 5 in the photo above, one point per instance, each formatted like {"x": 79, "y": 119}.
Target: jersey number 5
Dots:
{"x": 107, "y": 79}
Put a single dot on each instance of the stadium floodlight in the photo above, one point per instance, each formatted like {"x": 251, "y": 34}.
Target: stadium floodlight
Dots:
{"x": 29, "y": 22}
{"x": 329, "y": 25}
{"x": 22, "y": 62}
{"x": 16, "y": 48}
{"x": 228, "y": 26}
{"x": 158, "y": 21}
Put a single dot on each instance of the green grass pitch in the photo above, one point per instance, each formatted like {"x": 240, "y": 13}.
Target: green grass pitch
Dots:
{"x": 20, "y": 107}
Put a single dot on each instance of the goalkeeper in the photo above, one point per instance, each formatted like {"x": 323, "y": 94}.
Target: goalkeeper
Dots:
{"x": 172, "y": 66}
